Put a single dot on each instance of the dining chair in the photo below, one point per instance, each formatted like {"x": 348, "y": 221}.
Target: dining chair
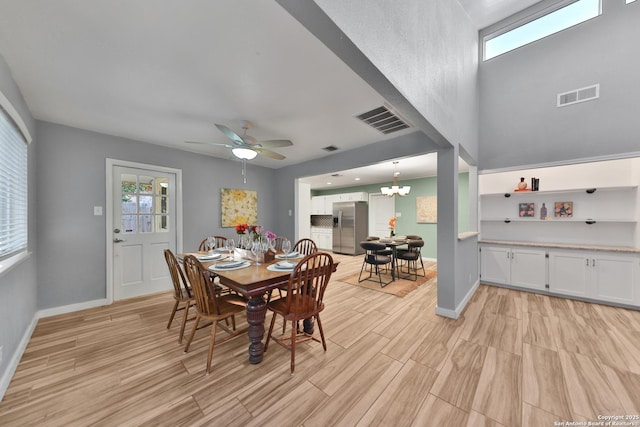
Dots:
{"x": 411, "y": 257}
{"x": 182, "y": 293}
{"x": 374, "y": 260}
{"x": 305, "y": 247}
{"x": 211, "y": 306}
{"x": 305, "y": 292}
{"x": 386, "y": 251}
{"x": 220, "y": 242}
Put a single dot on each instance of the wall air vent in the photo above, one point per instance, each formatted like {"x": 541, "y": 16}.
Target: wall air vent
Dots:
{"x": 383, "y": 120}
{"x": 579, "y": 95}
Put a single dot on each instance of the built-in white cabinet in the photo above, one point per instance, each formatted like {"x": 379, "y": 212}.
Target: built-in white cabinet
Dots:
{"x": 522, "y": 267}
{"x": 317, "y": 205}
{"x": 323, "y": 205}
{"x": 603, "y": 276}
{"x": 323, "y": 238}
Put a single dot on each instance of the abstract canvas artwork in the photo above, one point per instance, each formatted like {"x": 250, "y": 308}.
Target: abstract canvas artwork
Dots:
{"x": 427, "y": 209}
{"x": 238, "y": 207}
{"x": 526, "y": 209}
{"x": 563, "y": 209}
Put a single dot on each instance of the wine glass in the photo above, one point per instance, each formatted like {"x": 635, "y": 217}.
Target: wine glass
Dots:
{"x": 264, "y": 245}
{"x": 231, "y": 246}
{"x": 211, "y": 244}
{"x": 255, "y": 250}
{"x": 286, "y": 247}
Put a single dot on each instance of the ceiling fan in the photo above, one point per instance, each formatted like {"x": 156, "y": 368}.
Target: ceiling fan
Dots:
{"x": 247, "y": 147}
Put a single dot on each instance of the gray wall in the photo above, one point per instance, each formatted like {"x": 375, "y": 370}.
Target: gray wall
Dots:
{"x": 520, "y": 123}
{"x": 18, "y": 287}
{"x": 422, "y": 57}
{"x": 71, "y": 179}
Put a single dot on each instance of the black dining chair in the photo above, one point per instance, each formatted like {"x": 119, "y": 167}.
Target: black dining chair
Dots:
{"x": 374, "y": 260}
{"x": 411, "y": 257}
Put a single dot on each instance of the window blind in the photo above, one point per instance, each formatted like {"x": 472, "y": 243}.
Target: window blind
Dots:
{"x": 13, "y": 188}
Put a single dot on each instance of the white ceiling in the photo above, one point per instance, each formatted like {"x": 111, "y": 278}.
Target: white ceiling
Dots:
{"x": 166, "y": 74}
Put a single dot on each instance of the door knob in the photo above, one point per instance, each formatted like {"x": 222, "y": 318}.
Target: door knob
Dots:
{"x": 116, "y": 240}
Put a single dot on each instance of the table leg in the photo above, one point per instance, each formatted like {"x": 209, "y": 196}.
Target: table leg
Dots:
{"x": 256, "y": 313}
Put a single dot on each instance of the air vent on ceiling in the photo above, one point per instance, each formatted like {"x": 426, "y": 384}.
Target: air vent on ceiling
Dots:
{"x": 383, "y": 119}
{"x": 579, "y": 95}
{"x": 330, "y": 148}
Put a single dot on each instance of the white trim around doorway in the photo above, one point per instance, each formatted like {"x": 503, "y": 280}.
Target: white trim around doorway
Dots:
{"x": 110, "y": 163}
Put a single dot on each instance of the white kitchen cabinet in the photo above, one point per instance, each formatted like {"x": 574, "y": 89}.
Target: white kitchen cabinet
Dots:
{"x": 569, "y": 273}
{"x": 523, "y": 267}
{"x": 317, "y": 205}
{"x": 359, "y": 196}
{"x": 323, "y": 238}
{"x": 603, "y": 276}
{"x": 323, "y": 205}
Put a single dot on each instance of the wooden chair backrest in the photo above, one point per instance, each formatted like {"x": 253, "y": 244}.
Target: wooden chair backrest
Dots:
{"x": 307, "y": 284}
{"x": 177, "y": 276}
{"x": 206, "y": 300}
{"x": 305, "y": 247}
{"x": 220, "y": 242}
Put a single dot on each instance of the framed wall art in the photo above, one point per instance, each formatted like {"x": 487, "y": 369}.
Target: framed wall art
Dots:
{"x": 238, "y": 207}
{"x": 427, "y": 209}
{"x": 526, "y": 210}
{"x": 563, "y": 209}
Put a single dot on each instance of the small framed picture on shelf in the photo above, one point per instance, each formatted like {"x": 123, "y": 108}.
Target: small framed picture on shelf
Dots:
{"x": 563, "y": 209}
{"x": 526, "y": 210}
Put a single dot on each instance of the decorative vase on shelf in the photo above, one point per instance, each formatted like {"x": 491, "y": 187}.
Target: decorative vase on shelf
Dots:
{"x": 543, "y": 212}
{"x": 522, "y": 185}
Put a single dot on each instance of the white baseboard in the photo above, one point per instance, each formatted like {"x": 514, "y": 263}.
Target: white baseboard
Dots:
{"x": 17, "y": 355}
{"x": 48, "y": 312}
{"x": 22, "y": 346}
{"x": 454, "y": 314}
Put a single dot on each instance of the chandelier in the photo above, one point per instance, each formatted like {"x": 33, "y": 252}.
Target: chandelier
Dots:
{"x": 395, "y": 188}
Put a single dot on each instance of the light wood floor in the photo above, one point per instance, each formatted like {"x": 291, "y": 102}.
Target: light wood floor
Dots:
{"x": 512, "y": 359}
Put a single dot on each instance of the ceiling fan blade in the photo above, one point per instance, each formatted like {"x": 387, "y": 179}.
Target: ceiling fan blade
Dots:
{"x": 237, "y": 139}
{"x": 271, "y": 154}
{"x": 217, "y": 144}
{"x": 275, "y": 143}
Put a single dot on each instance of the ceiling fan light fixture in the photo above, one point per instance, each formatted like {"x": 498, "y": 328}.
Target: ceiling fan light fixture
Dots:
{"x": 395, "y": 188}
{"x": 244, "y": 153}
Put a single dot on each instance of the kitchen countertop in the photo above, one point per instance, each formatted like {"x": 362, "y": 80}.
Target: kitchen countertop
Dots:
{"x": 623, "y": 249}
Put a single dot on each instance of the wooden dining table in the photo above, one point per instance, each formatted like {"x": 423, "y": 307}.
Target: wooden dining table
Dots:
{"x": 254, "y": 283}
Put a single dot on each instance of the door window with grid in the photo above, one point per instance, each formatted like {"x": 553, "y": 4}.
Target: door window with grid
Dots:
{"x": 144, "y": 202}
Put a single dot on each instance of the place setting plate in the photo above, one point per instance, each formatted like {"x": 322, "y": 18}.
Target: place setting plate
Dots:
{"x": 229, "y": 265}
{"x": 209, "y": 257}
{"x": 291, "y": 255}
{"x": 282, "y": 266}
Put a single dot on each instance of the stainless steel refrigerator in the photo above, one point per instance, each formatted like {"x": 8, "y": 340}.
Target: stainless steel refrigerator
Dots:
{"x": 350, "y": 227}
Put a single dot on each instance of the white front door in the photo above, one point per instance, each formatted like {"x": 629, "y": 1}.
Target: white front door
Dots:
{"x": 143, "y": 226}
{"x": 381, "y": 209}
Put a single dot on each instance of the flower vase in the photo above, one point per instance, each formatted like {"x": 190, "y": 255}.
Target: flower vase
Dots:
{"x": 522, "y": 185}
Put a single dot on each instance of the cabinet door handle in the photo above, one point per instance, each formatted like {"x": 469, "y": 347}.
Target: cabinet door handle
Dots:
{"x": 593, "y": 263}
{"x": 587, "y": 260}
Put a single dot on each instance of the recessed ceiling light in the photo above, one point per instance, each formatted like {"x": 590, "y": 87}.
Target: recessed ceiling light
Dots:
{"x": 328, "y": 183}
{"x": 357, "y": 179}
